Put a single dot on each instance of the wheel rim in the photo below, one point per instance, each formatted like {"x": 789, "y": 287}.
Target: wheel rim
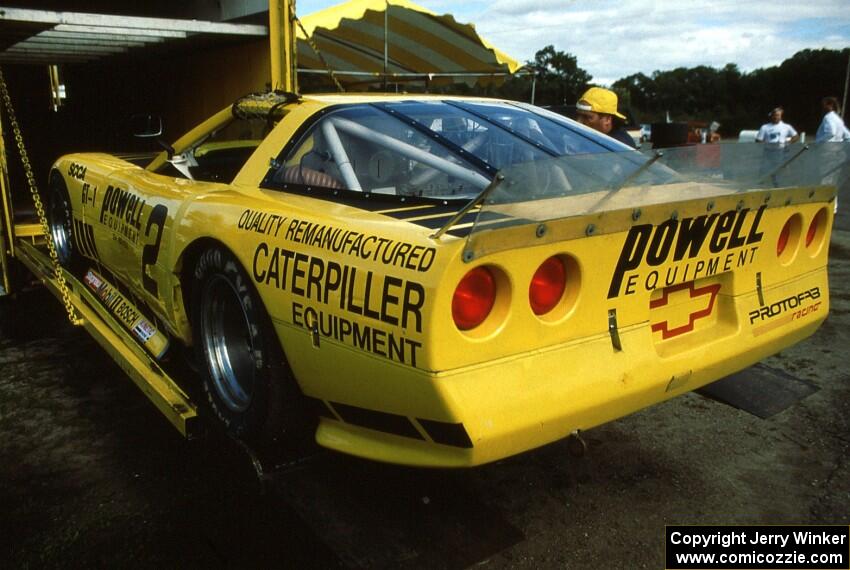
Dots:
{"x": 227, "y": 339}
{"x": 60, "y": 225}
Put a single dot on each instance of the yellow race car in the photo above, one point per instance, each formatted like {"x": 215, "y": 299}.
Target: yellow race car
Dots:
{"x": 445, "y": 281}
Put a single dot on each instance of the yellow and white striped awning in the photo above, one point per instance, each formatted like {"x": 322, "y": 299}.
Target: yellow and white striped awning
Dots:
{"x": 350, "y": 37}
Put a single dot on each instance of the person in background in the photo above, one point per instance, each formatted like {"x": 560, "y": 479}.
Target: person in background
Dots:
{"x": 713, "y": 136}
{"x": 776, "y": 132}
{"x": 832, "y": 127}
{"x": 597, "y": 109}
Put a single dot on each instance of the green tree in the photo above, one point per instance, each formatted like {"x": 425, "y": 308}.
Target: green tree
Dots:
{"x": 798, "y": 84}
{"x": 559, "y": 78}
{"x": 641, "y": 90}
{"x": 554, "y": 76}
{"x": 740, "y": 100}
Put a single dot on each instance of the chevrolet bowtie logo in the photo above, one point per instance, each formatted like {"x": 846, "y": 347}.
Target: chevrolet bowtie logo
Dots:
{"x": 709, "y": 293}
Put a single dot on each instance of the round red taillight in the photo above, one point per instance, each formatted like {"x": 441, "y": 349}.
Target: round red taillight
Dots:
{"x": 473, "y": 298}
{"x": 814, "y": 227}
{"x": 547, "y": 286}
{"x": 783, "y": 238}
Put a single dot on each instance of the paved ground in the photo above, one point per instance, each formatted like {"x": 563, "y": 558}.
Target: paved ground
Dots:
{"x": 91, "y": 475}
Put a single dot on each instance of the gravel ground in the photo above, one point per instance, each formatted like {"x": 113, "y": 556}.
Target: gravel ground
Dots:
{"x": 91, "y": 475}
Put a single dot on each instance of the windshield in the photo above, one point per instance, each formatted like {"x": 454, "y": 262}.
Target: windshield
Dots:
{"x": 220, "y": 154}
{"x": 216, "y": 150}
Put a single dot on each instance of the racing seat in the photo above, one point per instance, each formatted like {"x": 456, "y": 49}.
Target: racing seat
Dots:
{"x": 308, "y": 177}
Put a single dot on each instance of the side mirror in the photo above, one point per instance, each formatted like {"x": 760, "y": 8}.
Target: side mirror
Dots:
{"x": 146, "y": 126}
{"x": 150, "y": 127}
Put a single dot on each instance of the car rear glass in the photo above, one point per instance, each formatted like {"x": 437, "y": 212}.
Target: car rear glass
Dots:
{"x": 365, "y": 149}
{"x": 555, "y": 137}
{"x": 481, "y": 136}
{"x": 433, "y": 149}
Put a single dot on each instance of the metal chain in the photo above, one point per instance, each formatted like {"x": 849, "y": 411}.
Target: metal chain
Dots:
{"x": 36, "y": 199}
{"x": 315, "y": 47}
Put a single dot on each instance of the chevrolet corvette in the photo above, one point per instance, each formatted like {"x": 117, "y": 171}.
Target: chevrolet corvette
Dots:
{"x": 445, "y": 281}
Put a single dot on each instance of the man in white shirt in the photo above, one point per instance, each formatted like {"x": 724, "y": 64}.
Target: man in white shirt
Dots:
{"x": 831, "y": 128}
{"x": 776, "y": 132}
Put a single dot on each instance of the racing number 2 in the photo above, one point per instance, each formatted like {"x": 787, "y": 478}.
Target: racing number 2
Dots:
{"x": 150, "y": 252}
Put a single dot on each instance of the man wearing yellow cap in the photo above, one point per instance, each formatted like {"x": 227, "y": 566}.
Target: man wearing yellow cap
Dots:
{"x": 597, "y": 109}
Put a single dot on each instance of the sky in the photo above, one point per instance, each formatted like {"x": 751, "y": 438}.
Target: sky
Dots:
{"x": 615, "y": 38}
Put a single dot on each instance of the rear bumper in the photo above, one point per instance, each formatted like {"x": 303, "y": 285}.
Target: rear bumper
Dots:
{"x": 509, "y": 406}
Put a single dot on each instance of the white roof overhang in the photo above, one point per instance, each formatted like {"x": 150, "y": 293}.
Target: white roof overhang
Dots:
{"x": 47, "y": 37}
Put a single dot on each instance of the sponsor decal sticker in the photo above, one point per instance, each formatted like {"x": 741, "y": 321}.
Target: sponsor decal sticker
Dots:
{"x": 88, "y": 194}
{"x": 261, "y": 222}
{"x": 730, "y": 237}
{"x": 383, "y": 299}
{"x": 367, "y": 247}
{"x": 121, "y": 211}
{"x": 323, "y": 288}
{"x": 708, "y": 294}
{"x": 780, "y": 313}
{"x": 129, "y": 316}
{"x": 77, "y": 171}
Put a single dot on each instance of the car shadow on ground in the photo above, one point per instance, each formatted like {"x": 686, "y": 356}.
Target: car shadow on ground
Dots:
{"x": 92, "y": 473}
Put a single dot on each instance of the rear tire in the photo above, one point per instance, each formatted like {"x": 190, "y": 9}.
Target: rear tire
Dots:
{"x": 246, "y": 379}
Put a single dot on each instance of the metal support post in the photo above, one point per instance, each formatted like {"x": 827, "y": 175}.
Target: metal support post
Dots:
{"x": 282, "y": 44}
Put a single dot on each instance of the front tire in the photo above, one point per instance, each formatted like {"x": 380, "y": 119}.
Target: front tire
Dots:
{"x": 60, "y": 221}
{"x": 246, "y": 380}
